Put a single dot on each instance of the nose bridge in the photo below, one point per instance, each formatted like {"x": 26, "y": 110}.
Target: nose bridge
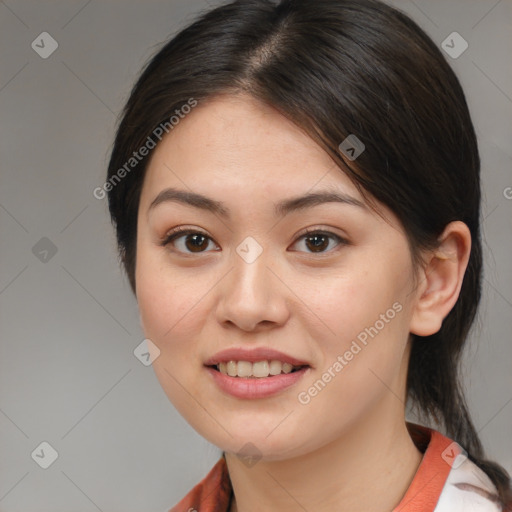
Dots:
{"x": 252, "y": 294}
{"x": 251, "y": 275}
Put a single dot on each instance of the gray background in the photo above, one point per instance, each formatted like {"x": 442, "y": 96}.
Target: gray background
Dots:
{"x": 69, "y": 325}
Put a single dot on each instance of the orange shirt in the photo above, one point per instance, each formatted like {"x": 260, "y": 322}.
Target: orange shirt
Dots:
{"x": 446, "y": 481}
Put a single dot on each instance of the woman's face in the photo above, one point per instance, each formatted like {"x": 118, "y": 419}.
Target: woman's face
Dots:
{"x": 339, "y": 299}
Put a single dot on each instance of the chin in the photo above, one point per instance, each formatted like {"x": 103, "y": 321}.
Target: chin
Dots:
{"x": 260, "y": 445}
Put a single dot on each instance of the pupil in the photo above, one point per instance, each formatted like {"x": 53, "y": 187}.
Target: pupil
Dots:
{"x": 316, "y": 244}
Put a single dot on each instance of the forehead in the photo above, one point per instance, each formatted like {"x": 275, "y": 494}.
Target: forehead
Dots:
{"x": 238, "y": 144}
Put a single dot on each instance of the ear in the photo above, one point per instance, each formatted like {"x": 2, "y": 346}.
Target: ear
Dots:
{"x": 441, "y": 279}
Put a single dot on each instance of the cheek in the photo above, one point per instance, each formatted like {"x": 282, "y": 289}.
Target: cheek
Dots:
{"x": 171, "y": 313}
{"x": 168, "y": 301}
{"x": 365, "y": 321}
{"x": 354, "y": 300}
{"x": 360, "y": 371}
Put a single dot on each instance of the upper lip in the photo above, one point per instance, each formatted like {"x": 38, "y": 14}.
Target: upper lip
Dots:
{"x": 253, "y": 355}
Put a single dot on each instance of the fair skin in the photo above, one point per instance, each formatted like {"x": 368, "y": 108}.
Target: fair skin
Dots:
{"x": 348, "y": 448}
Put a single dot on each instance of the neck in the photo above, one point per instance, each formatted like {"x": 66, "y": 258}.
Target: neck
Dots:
{"x": 368, "y": 468}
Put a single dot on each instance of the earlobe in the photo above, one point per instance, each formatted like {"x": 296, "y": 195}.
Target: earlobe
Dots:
{"x": 441, "y": 279}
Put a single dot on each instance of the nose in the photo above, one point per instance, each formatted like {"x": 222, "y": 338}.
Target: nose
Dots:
{"x": 253, "y": 297}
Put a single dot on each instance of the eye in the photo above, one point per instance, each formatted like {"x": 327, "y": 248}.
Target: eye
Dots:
{"x": 195, "y": 241}
{"x": 319, "y": 240}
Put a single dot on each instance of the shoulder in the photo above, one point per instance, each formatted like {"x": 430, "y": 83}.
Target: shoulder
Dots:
{"x": 468, "y": 488}
{"x": 447, "y": 480}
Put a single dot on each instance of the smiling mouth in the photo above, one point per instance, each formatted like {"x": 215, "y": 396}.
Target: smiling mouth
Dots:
{"x": 258, "y": 370}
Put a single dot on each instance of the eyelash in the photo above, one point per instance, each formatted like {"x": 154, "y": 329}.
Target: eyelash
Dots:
{"x": 181, "y": 231}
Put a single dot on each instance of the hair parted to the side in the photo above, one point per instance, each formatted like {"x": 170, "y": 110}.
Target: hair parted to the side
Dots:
{"x": 339, "y": 67}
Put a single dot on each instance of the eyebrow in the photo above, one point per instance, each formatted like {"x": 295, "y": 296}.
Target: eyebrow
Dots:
{"x": 280, "y": 209}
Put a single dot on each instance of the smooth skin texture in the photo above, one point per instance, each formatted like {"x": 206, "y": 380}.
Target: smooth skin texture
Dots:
{"x": 348, "y": 449}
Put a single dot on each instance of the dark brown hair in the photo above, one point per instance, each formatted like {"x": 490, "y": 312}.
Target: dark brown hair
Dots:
{"x": 335, "y": 68}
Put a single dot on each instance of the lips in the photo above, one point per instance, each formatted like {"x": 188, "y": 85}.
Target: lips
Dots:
{"x": 253, "y": 356}
{"x": 256, "y": 388}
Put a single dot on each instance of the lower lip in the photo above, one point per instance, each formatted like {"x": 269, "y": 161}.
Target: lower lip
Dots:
{"x": 242, "y": 387}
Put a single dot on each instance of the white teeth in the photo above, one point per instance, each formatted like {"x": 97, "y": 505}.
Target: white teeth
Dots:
{"x": 275, "y": 367}
{"x": 244, "y": 369}
{"x": 231, "y": 368}
{"x": 259, "y": 369}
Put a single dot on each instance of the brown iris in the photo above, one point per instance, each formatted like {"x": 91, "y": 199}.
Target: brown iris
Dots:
{"x": 196, "y": 246}
{"x": 316, "y": 245}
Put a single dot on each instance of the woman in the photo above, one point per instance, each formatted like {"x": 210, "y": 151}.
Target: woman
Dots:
{"x": 296, "y": 195}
